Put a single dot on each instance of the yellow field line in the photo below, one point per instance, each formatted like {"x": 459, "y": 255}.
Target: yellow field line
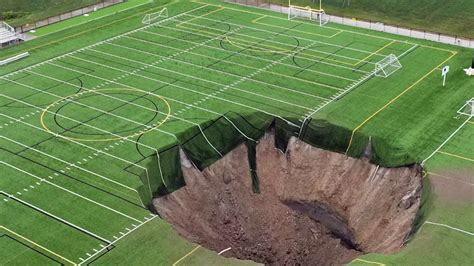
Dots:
{"x": 370, "y": 262}
{"x": 376, "y": 52}
{"x": 255, "y": 21}
{"x": 471, "y": 122}
{"x": 93, "y": 28}
{"x": 354, "y": 32}
{"x": 36, "y": 244}
{"x": 450, "y": 178}
{"x": 283, "y": 50}
{"x": 394, "y": 99}
{"x": 456, "y": 156}
{"x": 264, "y": 47}
{"x": 203, "y": 15}
{"x": 185, "y": 256}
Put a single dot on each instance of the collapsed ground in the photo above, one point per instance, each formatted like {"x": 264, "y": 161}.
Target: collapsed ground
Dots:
{"x": 314, "y": 206}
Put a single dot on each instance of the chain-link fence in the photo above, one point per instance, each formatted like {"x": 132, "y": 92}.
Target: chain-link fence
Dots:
{"x": 378, "y": 26}
{"x": 66, "y": 15}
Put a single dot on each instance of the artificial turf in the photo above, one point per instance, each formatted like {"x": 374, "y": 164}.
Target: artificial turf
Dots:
{"x": 73, "y": 126}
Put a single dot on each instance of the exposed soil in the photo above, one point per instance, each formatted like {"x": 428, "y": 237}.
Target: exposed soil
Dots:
{"x": 315, "y": 207}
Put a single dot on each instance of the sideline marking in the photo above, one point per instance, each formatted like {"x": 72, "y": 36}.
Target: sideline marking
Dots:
{"x": 334, "y": 28}
{"x": 394, "y": 99}
{"x": 376, "y": 52}
{"x": 67, "y": 99}
{"x": 93, "y": 28}
{"x": 197, "y": 17}
{"x": 256, "y": 21}
{"x": 36, "y": 244}
{"x": 456, "y": 156}
{"x": 450, "y": 227}
{"x": 189, "y": 253}
{"x": 370, "y": 262}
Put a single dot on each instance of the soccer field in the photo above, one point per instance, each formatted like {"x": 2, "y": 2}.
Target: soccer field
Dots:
{"x": 78, "y": 130}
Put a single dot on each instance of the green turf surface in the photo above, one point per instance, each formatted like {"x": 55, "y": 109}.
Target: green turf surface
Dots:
{"x": 19, "y": 12}
{"x": 99, "y": 14}
{"x": 76, "y": 128}
{"x": 447, "y": 17}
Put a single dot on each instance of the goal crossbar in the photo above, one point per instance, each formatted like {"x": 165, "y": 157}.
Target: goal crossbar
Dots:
{"x": 152, "y": 17}
{"x": 468, "y": 108}
{"x": 387, "y": 66}
{"x": 318, "y": 15}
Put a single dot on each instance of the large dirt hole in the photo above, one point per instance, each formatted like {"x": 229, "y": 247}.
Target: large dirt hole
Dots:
{"x": 315, "y": 207}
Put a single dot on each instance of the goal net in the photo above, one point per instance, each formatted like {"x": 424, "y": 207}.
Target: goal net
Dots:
{"x": 317, "y": 15}
{"x": 152, "y": 17}
{"x": 387, "y": 66}
{"x": 468, "y": 108}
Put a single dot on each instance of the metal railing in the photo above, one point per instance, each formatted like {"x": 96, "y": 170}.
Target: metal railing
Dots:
{"x": 4, "y": 25}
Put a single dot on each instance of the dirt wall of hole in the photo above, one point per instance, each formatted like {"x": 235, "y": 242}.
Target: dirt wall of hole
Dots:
{"x": 315, "y": 207}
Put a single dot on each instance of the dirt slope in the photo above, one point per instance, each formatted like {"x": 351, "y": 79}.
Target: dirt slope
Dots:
{"x": 315, "y": 207}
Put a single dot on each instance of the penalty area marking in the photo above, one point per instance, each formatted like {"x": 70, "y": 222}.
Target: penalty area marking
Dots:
{"x": 67, "y": 98}
{"x": 395, "y": 99}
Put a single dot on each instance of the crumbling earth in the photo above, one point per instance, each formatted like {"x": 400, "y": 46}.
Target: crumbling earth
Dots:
{"x": 316, "y": 207}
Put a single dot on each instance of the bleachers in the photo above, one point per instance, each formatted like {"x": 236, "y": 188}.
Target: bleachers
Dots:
{"x": 8, "y": 35}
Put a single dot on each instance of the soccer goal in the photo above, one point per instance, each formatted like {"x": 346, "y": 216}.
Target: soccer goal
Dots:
{"x": 317, "y": 15}
{"x": 387, "y": 66}
{"x": 152, "y": 17}
{"x": 468, "y": 108}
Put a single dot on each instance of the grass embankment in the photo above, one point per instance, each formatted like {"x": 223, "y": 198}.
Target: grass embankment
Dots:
{"x": 447, "y": 17}
{"x": 19, "y": 12}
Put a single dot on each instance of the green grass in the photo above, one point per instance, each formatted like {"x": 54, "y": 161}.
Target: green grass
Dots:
{"x": 448, "y": 17}
{"x": 25, "y": 11}
{"x": 99, "y": 14}
{"x": 81, "y": 175}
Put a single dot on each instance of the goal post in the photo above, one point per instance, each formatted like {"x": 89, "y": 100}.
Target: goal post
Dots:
{"x": 152, "y": 17}
{"x": 317, "y": 15}
{"x": 467, "y": 108}
{"x": 387, "y": 66}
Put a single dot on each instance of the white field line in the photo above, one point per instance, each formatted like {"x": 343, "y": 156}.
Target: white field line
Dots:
{"x": 235, "y": 75}
{"x": 70, "y": 99}
{"x": 450, "y": 227}
{"x": 115, "y": 241}
{"x": 222, "y": 90}
{"x": 333, "y": 98}
{"x": 68, "y": 163}
{"x": 25, "y": 116}
{"x": 149, "y": 128}
{"x": 218, "y": 71}
{"x": 85, "y": 124}
{"x": 291, "y": 36}
{"x": 143, "y": 107}
{"x": 71, "y": 192}
{"x": 304, "y": 22}
{"x": 347, "y": 90}
{"x": 203, "y": 35}
{"x": 195, "y": 77}
{"x": 109, "y": 39}
{"x": 181, "y": 87}
{"x": 446, "y": 141}
{"x": 224, "y": 72}
{"x": 96, "y": 152}
{"x": 104, "y": 16}
{"x": 231, "y": 62}
{"x": 55, "y": 217}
